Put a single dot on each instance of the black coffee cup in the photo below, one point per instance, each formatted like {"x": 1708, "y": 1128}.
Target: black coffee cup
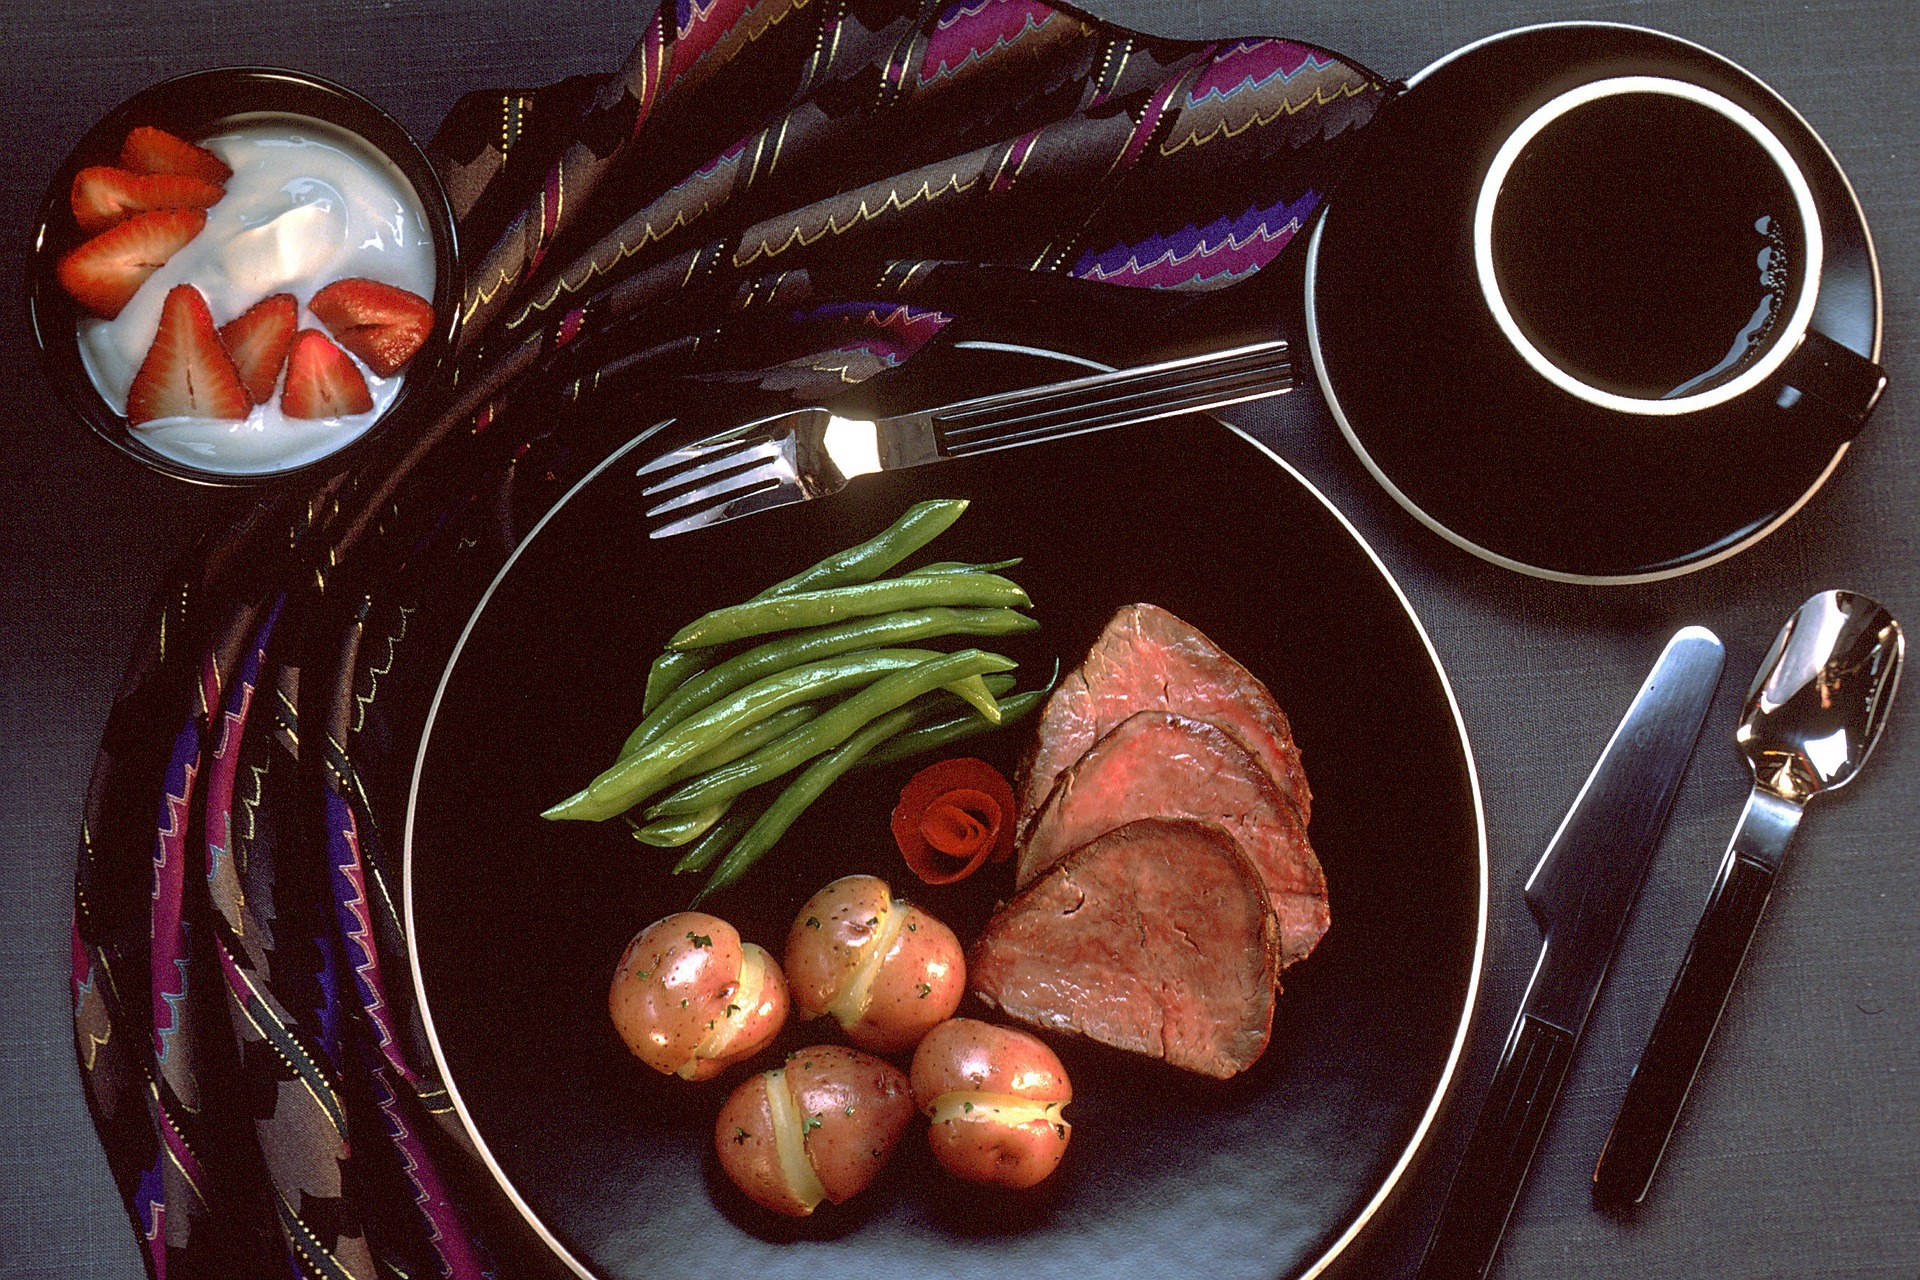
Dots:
{"x": 1651, "y": 247}
{"x": 1595, "y": 304}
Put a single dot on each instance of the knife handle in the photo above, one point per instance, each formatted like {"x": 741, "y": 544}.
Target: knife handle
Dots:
{"x": 1694, "y": 1004}
{"x": 1487, "y": 1182}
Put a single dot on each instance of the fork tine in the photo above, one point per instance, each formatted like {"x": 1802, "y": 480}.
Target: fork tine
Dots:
{"x": 699, "y": 449}
{"x": 729, "y": 460}
{"x": 778, "y": 491}
{"x": 725, "y": 487}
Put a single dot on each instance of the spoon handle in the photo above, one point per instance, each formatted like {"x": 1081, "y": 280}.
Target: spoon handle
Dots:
{"x": 1696, "y": 1000}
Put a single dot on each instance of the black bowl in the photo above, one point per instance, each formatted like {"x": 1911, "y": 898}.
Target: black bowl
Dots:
{"x": 193, "y": 107}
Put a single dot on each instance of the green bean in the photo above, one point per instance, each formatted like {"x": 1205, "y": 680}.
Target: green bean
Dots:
{"x": 671, "y": 833}
{"x": 700, "y": 855}
{"x": 918, "y": 525}
{"x": 945, "y": 732}
{"x": 828, "y": 730}
{"x": 800, "y": 793}
{"x": 749, "y": 806}
{"x": 755, "y": 736}
{"x": 749, "y": 739}
{"x": 973, "y": 692}
{"x": 961, "y": 566}
{"x": 783, "y": 722}
{"x": 904, "y": 626}
{"x": 818, "y": 608}
{"x": 999, "y": 684}
{"x": 639, "y": 775}
{"x": 669, "y": 671}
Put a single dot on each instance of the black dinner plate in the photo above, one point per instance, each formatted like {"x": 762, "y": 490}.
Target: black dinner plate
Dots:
{"x": 1450, "y": 419}
{"x": 516, "y": 923}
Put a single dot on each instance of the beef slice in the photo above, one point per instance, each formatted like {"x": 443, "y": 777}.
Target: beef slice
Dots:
{"x": 1159, "y": 764}
{"x": 1146, "y": 659}
{"x": 1156, "y": 938}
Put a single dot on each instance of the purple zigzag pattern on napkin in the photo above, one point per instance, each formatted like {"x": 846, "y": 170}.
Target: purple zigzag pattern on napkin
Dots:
{"x": 726, "y": 159}
{"x": 1216, "y": 254}
{"x": 445, "y": 1232}
{"x": 966, "y": 33}
{"x": 1148, "y": 123}
{"x": 898, "y": 328}
{"x": 170, "y": 944}
{"x": 326, "y": 1011}
{"x": 223, "y": 766}
{"x": 150, "y": 1199}
{"x": 1253, "y": 64}
{"x": 882, "y": 336}
{"x": 168, "y": 976}
{"x": 699, "y": 27}
{"x": 84, "y": 987}
{"x": 288, "y": 1163}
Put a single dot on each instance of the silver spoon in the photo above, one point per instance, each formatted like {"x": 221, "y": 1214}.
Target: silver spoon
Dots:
{"x": 1815, "y": 710}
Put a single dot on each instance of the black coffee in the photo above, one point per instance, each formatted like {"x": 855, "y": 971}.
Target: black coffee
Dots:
{"x": 1647, "y": 245}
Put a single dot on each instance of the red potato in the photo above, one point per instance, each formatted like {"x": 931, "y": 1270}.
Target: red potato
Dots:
{"x": 994, "y": 1097}
{"x": 821, "y": 1127}
{"x": 886, "y": 970}
{"x": 690, "y": 998}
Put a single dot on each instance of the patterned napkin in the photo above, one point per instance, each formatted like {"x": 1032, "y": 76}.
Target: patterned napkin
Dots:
{"x": 772, "y": 199}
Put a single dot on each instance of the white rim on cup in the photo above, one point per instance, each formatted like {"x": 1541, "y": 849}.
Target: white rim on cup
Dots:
{"x": 1503, "y": 161}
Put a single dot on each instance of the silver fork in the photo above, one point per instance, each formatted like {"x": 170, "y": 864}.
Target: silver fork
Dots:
{"x": 808, "y": 453}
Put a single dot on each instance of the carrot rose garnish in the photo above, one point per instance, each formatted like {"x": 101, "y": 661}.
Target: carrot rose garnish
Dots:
{"x": 952, "y": 817}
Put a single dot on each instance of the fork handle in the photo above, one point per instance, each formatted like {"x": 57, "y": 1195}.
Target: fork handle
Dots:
{"x": 1194, "y": 384}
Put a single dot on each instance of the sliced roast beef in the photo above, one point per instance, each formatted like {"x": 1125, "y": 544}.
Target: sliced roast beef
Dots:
{"x": 1148, "y": 660}
{"x": 1156, "y": 938}
{"x": 1158, "y": 764}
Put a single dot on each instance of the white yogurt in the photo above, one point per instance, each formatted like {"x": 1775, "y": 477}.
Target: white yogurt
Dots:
{"x": 308, "y": 204}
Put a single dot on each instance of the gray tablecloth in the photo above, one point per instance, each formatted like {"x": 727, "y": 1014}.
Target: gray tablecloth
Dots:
{"x": 1800, "y": 1152}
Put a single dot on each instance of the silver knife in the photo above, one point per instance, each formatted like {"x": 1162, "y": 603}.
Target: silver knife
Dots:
{"x": 1580, "y": 895}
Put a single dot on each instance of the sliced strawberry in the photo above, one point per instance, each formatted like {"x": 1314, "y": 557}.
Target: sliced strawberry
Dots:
{"x": 186, "y": 373}
{"x": 151, "y": 150}
{"x": 103, "y": 195}
{"x": 258, "y": 342}
{"x": 322, "y": 382}
{"x": 379, "y": 323}
{"x": 106, "y": 271}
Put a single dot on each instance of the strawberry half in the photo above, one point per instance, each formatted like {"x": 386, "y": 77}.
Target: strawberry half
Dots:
{"x": 322, "y": 382}
{"x": 258, "y": 342}
{"x": 106, "y": 271}
{"x": 186, "y": 373}
{"x": 151, "y": 150}
{"x": 103, "y": 195}
{"x": 379, "y": 323}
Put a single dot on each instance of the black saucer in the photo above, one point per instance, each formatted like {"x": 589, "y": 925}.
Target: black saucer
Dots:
{"x": 1449, "y": 418}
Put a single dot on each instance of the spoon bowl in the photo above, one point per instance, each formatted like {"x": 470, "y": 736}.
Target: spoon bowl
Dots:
{"x": 1821, "y": 697}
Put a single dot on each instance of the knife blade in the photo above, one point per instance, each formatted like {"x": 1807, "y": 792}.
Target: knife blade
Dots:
{"x": 1580, "y": 894}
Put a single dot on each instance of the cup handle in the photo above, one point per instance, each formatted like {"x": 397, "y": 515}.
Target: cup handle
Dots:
{"x": 1836, "y": 382}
